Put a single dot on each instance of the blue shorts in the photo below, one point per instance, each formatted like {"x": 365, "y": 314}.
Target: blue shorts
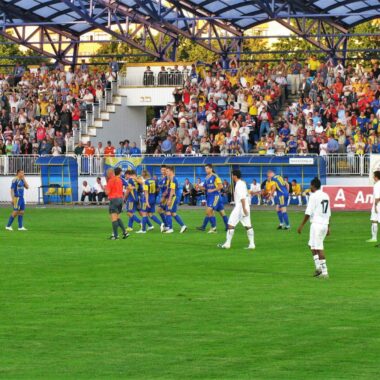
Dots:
{"x": 281, "y": 200}
{"x": 150, "y": 209}
{"x": 173, "y": 206}
{"x": 163, "y": 204}
{"x": 131, "y": 206}
{"x": 215, "y": 202}
{"x": 19, "y": 204}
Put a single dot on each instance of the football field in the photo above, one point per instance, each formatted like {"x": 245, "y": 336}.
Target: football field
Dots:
{"x": 76, "y": 305}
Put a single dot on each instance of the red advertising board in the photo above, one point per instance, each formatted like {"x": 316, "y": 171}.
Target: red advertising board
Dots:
{"x": 349, "y": 197}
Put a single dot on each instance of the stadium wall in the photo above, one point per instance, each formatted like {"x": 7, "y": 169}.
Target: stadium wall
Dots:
{"x": 31, "y": 195}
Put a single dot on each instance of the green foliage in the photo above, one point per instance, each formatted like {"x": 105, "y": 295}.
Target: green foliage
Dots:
{"x": 369, "y": 42}
{"x": 8, "y": 50}
{"x": 192, "y": 52}
{"x": 13, "y": 50}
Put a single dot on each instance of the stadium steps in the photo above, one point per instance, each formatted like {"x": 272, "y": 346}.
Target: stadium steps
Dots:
{"x": 104, "y": 117}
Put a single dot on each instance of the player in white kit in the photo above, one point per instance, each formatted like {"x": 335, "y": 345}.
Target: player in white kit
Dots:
{"x": 241, "y": 212}
{"x": 375, "y": 212}
{"x": 319, "y": 212}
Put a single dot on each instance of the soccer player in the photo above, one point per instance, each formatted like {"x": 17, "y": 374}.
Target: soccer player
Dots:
{"x": 148, "y": 200}
{"x": 131, "y": 196}
{"x": 163, "y": 185}
{"x": 375, "y": 213}
{"x": 114, "y": 191}
{"x": 172, "y": 203}
{"x": 241, "y": 212}
{"x": 319, "y": 212}
{"x": 18, "y": 186}
{"x": 213, "y": 186}
{"x": 280, "y": 191}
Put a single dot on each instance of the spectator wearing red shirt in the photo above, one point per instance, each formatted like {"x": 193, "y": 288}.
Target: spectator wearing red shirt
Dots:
{"x": 109, "y": 150}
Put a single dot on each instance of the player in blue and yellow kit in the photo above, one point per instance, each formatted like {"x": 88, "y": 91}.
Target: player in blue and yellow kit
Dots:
{"x": 172, "y": 203}
{"x": 281, "y": 191}
{"x": 163, "y": 187}
{"x": 213, "y": 185}
{"x": 131, "y": 196}
{"x": 18, "y": 186}
{"x": 147, "y": 200}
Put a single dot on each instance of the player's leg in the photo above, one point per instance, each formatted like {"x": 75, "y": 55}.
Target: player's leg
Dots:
{"x": 300, "y": 200}
{"x": 176, "y": 217}
{"x": 321, "y": 232}
{"x": 120, "y": 221}
{"x": 220, "y": 208}
{"x": 20, "y": 215}
{"x": 279, "y": 215}
{"x": 161, "y": 212}
{"x": 374, "y": 226}
{"x": 284, "y": 211}
{"x": 312, "y": 244}
{"x": 144, "y": 218}
{"x": 152, "y": 216}
{"x": 16, "y": 207}
{"x": 232, "y": 222}
{"x": 206, "y": 220}
{"x": 224, "y": 217}
{"x": 246, "y": 222}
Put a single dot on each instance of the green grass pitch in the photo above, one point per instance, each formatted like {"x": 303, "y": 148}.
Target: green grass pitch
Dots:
{"x": 74, "y": 305}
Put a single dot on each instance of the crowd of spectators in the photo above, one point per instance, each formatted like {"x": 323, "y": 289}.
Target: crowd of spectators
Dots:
{"x": 326, "y": 107}
{"x": 315, "y": 106}
{"x": 40, "y": 108}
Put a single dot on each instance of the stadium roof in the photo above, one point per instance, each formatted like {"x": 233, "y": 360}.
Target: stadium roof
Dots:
{"x": 180, "y": 17}
{"x": 241, "y": 13}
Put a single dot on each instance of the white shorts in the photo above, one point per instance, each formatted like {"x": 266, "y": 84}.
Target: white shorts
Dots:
{"x": 238, "y": 216}
{"x": 318, "y": 233}
{"x": 375, "y": 217}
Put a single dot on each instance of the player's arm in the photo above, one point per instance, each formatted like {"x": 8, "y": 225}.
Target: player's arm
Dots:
{"x": 302, "y": 225}
{"x": 146, "y": 194}
{"x": 244, "y": 205}
{"x": 108, "y": 187}
{"x": 172, "y": 192}
{"x": 26, "y": 185}
{"x": 219, "y": 184}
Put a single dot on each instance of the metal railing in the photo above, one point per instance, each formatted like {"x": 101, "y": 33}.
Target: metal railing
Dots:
{"x": 336, "y": 164}
{"x": 95, "y": 110}
{"x": 161, "y": 79}
{"x": 347, "y": 164}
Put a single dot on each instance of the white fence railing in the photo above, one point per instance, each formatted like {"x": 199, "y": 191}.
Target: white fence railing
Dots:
{"x": 347, "y": 164}
{"x": 163, "y": 79}
{"x": 336, "y": 164}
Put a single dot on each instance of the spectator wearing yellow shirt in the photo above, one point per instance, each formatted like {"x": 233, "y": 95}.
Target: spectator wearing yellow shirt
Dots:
{"x": 44, "y": 104}
{"x": 261, "y": 146}
{"x": 360, "y": 146}
{"x": 297, "y": 192}
{"x": 313, "y": 65}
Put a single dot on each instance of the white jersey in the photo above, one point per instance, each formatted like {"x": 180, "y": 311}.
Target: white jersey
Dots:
{"x": 319, "y": 208}
{"x": 237, "y": 215}
{"x": 375, "y": 214}
{"x": 376, "y": 191}
{"x": 241, "y": 192}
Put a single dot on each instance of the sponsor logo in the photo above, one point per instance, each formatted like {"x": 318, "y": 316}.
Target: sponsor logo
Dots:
{"x": 350, "y": 197}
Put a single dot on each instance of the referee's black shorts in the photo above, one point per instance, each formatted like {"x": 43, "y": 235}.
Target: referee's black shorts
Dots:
{"x": 116, "y": 206}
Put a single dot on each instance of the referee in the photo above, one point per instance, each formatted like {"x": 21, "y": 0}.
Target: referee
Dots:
{"x": 114, "y": 191}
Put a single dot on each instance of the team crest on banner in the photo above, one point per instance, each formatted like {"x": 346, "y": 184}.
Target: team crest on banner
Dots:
{"x": 130, "y": 163}
{"x": 374, "y": 165}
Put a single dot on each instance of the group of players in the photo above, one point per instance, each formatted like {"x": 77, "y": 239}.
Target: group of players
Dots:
{"x": 139, "y": 194}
